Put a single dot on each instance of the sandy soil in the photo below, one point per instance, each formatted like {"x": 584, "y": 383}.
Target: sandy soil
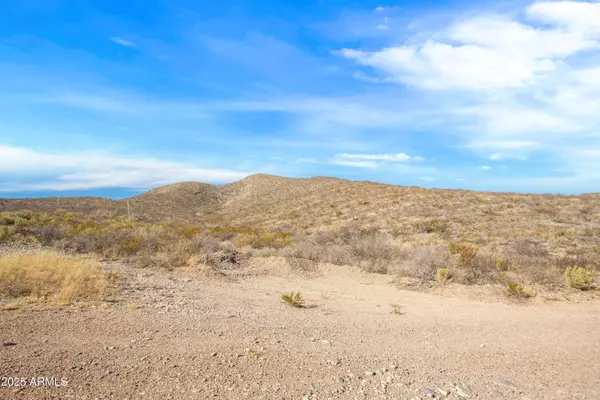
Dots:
{"x": 183, "y": 335}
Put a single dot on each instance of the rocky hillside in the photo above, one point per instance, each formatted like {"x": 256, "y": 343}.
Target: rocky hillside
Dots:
{"x": 311, "y": 204}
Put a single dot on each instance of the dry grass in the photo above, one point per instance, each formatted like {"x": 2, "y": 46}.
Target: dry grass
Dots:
{"x": 51, "y": 277}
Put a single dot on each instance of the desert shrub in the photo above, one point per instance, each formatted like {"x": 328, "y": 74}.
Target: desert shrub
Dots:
{"x": 24, "y": 215}
{"x": 423, "y": 262}
{"x": 293, "y": 299}
{"x": 374, "y": 254}
{"x": 88, "y": 242}
{"x": 6, "y": 232}
{"x": 185, "y": 230}
{"x": 302, "y": 264}
{"x": 501, "y": 264}
{"x": 480, "y": 269}
{"x": 466, "y": 252}
{"x": 333, "y": 253}
{"x": 351, "y": 231}
{"x": 204, "y": 244}
{"x": 539, "y": 271}
{"x": 575, "y": 260}
{"x": 323, "y": 237}
{"x": 529, "y": 248}
{"x": 164, "y": 260}
{"x": 443, "y": 275}
{"x": 6, "y": 220}
{"x": 581, "y": 278}
{"x": 47, "y": 234}
{"x": 222, "y": 233}
{"x": 130, "y": 245}
{"x": 262, "y": 239}
{"x": 51, "y": 276}
{"x": 432, "y": 226}
{"x": 518, "y": 290}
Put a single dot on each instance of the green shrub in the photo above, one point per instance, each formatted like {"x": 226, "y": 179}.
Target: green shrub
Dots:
{"x": 581, "y": 278}
{"x": 500, "y": 264}
{"x": 6, "y": 232}
{"x": 515, "y": 289}
{"x": 6, "y": 220}
{"x": 293, "y": 299}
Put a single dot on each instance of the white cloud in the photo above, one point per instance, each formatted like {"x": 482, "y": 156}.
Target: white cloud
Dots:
{"x": 275, "y": 158}
{"x": 400, "y": 157}
{"x": 491, "y": 52}
{"x": 93, "y": 169}
{"x": 355, "y": 164}
{"x": 576, "y": 16}
{"x": 485, "y": 167}
{"x": 427, "y": 178}
{"x": 382, "y": 27}
{"x": 122, "y": 42}
{"x": 509, "y": 87}
{"x": 380, "y": 9}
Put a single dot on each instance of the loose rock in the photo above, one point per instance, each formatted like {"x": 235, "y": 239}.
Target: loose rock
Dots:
{"x": 464, "y": 391}
{"x": 503, "y": 382}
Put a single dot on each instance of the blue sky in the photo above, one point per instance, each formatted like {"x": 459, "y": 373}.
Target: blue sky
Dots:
{"x": 111, "y": 97}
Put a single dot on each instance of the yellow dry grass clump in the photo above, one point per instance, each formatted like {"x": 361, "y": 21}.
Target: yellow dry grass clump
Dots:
{"x": 51, "y": 277}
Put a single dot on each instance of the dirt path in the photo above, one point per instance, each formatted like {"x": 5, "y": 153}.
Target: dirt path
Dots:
{"x": 177, "y": 336}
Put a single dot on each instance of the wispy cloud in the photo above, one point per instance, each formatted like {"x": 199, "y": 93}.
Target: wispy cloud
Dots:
{"x": 122, "y": 42}
{"x": 400, "y": 157}
{"x": 354, "y": 164}
{"x": 94, "y": 169}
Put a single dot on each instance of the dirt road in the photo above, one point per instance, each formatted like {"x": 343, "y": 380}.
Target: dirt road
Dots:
{"x": 180, "y": 336}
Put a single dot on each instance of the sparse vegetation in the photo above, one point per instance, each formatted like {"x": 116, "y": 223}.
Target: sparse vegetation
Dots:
{"x": 293, "y": 299}
{"x": 443, "y": 275}
{"x": 518, "y": 290}
{"x": 465, "y": 251}
{"x": 581, "y": 278}
{"x": 51, "y": 277}
{"x": 468, "y": 237}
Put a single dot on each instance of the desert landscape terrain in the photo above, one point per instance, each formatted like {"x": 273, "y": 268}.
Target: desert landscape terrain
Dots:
{"x": 183, "y": 292}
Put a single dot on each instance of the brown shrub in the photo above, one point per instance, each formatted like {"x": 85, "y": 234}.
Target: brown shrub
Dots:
{"x": 423, "y": 262}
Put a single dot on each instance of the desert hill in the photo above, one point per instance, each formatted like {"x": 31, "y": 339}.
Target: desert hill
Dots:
{"x": 306, "y": 205}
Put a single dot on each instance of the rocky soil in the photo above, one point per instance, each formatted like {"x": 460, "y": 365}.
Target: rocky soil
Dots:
{"x": 199, "y": 334}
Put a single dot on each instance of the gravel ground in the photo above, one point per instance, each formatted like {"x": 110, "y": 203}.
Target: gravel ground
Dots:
{"x": 182, "y": 335}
